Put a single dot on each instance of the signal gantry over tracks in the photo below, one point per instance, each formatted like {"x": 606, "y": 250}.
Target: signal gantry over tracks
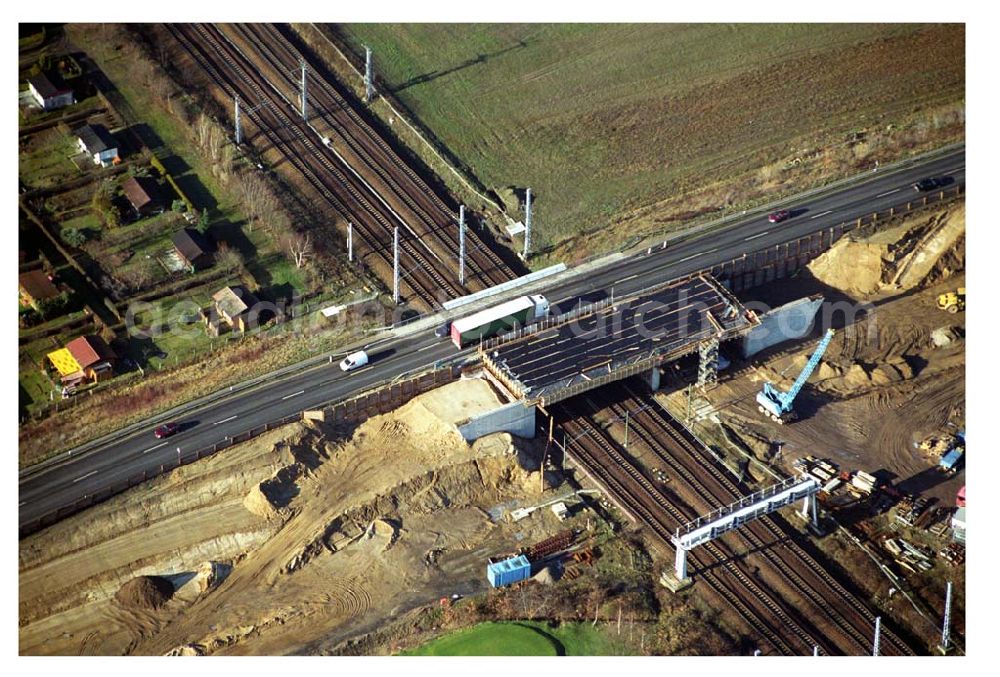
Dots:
{"x": 569, "y": 354}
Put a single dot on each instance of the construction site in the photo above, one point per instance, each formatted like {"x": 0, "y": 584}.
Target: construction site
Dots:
{"x": 310, "y": 538}
{"x": 742, "y": 432}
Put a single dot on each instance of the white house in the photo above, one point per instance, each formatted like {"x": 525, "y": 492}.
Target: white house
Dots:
{"x": 48, "y": 95}
{"x": 97, "y": 142}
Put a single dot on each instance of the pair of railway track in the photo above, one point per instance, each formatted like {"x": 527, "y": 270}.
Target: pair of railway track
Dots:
{"x": 712, "y": 483}
{"x": 707, "y": 483}
{"x": 426, "y": 278}
{"x": 428, "y": 215}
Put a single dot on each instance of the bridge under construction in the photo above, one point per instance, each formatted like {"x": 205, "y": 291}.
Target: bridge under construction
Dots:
{"x": 565, "y": 355}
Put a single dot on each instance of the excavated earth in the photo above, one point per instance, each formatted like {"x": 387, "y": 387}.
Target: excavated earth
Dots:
{"x": 305, "y": 536}
{"x": 895, "y": 371}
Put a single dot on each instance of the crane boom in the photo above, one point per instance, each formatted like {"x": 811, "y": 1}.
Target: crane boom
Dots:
{"x": 807, "y": 371}
{"x": 778, "y": 405}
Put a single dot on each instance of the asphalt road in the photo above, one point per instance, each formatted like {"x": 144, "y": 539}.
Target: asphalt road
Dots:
{"x": 69, "y": 478}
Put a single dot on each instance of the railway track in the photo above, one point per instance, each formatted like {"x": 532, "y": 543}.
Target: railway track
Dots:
{"x": 758, "y": 609}
{"x": 708, "y": 479}
{"x": 427, "y": 212}
{"x": 334, "y": 184}
{"x": 709, "y": 482}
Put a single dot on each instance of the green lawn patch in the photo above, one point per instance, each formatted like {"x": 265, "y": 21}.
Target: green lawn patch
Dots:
{"x": 520, "y": 638}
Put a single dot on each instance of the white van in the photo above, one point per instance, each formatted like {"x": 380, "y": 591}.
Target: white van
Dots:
{"x": 354, "y": 360}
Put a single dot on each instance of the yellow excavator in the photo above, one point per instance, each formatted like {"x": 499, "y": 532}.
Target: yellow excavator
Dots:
{"x": 952, "y": 301}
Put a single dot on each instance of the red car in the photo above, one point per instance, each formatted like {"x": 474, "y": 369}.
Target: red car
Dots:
{"x": 777, "y": 217}
{"x": 166, "y": 430}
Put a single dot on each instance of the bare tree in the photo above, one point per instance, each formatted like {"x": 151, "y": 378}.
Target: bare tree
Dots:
{"x": 229, "y": 260}
{"x": 299, "y": 247}
{"x": 252, "y": 191}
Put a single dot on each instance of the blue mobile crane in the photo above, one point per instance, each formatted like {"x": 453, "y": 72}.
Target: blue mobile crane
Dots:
{"x": 778, "y": 405}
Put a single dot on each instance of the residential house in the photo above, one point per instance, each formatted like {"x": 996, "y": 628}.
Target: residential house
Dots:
{"x": 48, "y": 94}
{"x": 143, "y": 194}
{"x": 233, "y": 305}
{"x": 192, "y": 249}
{"x": 84, "y": 358}
{"x": 97, "y": 142}
{"x": 35, "y": 286}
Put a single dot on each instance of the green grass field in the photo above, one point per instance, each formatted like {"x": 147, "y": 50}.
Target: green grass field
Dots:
{"x": 522, "y": 638}
{"x": 605, "y": 120}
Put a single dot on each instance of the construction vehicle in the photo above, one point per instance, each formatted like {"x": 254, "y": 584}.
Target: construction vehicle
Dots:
{"x": 952, "y": 301}
{"x": 778, "y": 405}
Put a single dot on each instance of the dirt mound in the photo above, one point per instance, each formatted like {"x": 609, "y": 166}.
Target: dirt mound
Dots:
{"x": 942, "y": 337}
{"x": 144, "y": 592}
{"x": 257, "y": 502}
{"x": 211, "y": 574}
{"x": 269, "y": 497}
{"x": 854, "y": 267}
{"x": 187, "y": 650}
{"x": 548, "y": 575}
{"x": 919, "y": 252}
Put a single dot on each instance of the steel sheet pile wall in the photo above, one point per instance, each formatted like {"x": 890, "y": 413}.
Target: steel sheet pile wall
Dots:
{"x": 388, "y": 397}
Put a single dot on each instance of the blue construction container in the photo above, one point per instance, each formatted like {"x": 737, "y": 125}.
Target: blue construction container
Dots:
{"x": 508, "y": 571}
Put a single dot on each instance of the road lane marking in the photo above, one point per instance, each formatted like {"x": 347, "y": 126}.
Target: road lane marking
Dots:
{"x": 693, "y": 256}
{"x": 156, "y": 447}
{"x": 83, "y": 477}
{"x": 21, "y": 503}
{"x": 427, "y": 347}
{"x": 225, "y": 420}
{"x": 828, "y": 211}
{"x": 626, "y": 279}
{"x": 288, "y": 397}
{"x": 754, "y": 237}
{"x": 896, "y": 190}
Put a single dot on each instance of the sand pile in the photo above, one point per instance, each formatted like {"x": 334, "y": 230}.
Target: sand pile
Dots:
{"x": 854, "y": 267}
{"x": 921, "y": 251}
{"x": 187, "y": 650}
{"x": 144, "y": 592}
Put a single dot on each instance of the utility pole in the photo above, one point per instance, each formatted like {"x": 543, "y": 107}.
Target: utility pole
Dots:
{"x": 527, "y": 225}
{"x": 369, "y": 84}
{"x": 626, "y": 430}
{"x": 350, "y": 241}
{"x": 395, "y": 264}
{"x": 878, "y": 631}
{"x": 461, "y": 244}
{"x": 946, "y": 627}
{"x": 239, "y": 131}
{"x": 303, "y": 65}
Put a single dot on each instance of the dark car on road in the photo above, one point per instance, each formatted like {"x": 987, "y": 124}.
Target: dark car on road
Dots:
{"x": 166, "y": 430}
{"x": 779, "y": 216}
{"x": 924, "y": 185}
{"x": 444, "y": 330}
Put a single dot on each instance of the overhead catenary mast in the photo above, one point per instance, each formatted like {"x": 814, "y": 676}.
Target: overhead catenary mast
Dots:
{"x": 527, "y": 224}
{"x": 395, "y": 264}
{"x": 303, "y": 65}
{"x": 461, "y": 244}
{"x": 239, "y": 130}
{"x": 369, "y": 83}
